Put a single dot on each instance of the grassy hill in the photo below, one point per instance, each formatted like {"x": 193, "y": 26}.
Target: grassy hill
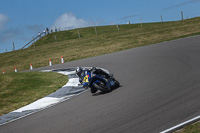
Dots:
{"x": 108, "y": 39}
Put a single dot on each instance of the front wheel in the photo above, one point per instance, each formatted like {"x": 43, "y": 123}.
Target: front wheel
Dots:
{"x": 117, "y": 84}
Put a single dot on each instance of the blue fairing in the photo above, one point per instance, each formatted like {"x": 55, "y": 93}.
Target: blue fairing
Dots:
{"x": 88, "y": 79}
{"x": 98, "y": 79}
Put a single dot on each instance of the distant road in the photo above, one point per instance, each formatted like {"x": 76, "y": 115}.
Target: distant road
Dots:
{"x": 160, "y": 89}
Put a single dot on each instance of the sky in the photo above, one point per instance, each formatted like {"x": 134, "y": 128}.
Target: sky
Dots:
{"x": 21, "y": 20}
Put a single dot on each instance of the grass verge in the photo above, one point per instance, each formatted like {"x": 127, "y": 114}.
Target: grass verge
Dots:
{"x": 20, "y": 89}
{"x": 193, "y": 128}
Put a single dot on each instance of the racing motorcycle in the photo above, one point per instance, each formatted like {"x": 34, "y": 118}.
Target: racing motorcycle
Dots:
{"x": 99, "y": 82}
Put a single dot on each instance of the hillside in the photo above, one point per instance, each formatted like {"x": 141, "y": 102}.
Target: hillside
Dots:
{"x": 107, "y": 40}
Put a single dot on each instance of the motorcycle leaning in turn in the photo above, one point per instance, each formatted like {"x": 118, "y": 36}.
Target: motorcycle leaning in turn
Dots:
{"x": 97, "y": 79}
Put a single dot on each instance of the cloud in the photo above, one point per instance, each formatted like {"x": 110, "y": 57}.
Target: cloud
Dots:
{"x": 9, "y": 35}
{"x": 182, "y": 4}
{"x": 20, "y": 33}
{"x": 69, "y": 20}
{"x": 3, "y": 20}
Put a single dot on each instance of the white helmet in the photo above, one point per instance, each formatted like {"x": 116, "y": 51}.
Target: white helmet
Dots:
{"x": 78, "y": 71}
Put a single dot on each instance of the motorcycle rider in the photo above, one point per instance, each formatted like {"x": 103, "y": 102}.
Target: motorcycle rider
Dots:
{"x": 82, "y": 72}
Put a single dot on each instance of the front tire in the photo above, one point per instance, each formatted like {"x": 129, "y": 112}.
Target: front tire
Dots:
{"x": 117, "y": 84}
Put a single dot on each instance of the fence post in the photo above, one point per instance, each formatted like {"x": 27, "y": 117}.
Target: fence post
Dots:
{"x": 13, "y": 46}
{"x": 95, "y": 28}
{"x": 79, "y": 34}
{"x": 141, "y": 22}
{"x": 55, "y": 38}
{"x": 182, "y": 15}
{"x": 161, "y": 18}
{"x": 118, "y": 27}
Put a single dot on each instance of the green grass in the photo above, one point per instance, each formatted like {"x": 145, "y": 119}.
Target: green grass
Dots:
{"x": 193, "y": 128}
{"x": 20, "y": 89}
{"x": 108, "y": 40}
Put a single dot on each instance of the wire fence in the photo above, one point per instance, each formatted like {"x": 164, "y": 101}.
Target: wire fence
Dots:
{"x": 130, "y": 20}
{"x": 45, "y": 32}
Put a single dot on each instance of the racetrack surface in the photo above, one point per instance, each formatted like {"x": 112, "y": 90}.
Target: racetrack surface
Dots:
{"x": 160, "y": 89}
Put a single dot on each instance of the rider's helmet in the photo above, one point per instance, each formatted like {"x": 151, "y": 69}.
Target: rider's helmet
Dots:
{"x": 79, "y": 71}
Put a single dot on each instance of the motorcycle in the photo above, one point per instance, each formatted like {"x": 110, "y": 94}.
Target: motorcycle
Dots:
{"x": 99, "y": 82}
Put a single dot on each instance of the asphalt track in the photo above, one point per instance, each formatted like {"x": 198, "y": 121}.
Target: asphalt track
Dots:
{"x": 160, "y": 89}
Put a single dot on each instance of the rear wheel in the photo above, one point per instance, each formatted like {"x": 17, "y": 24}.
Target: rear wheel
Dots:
{"x": 93, "y": 90}
{"x": 101, "y": 86}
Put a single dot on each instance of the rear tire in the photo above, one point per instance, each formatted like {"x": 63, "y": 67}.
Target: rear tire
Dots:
{"x": 101, "y": 88}
{"x": 93, "y": 90}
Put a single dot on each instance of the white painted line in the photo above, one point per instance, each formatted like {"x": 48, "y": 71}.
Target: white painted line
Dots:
{"x": 72, "y": 82}
{"x": 66, "y": 72}
{"x": 41, "y": 103}
{"x": 181, "y": 125}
